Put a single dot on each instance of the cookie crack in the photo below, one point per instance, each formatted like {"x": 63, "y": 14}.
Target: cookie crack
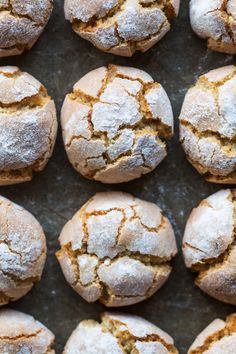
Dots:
{"x": 127, "y": 340}
{"x": 228, "y": 330}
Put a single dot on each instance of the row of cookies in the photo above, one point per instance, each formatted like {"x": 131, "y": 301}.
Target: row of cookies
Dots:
{"x": 117, "y": 333}
{"x": 118, "y": 249}
{"x": 120, "y": 27}
{"x": 115, "y": 124}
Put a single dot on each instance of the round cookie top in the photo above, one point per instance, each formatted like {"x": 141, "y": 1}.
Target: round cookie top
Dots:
{"x": 21, "y": 23}
{"x": 121, "y": 27}
{"x": 215, "y": 20}
{"x": 209, "y": 245}
{"x": 208, "y": 125}
{"x": 22, "y": 251}
{"x": 217, "y": 338}
{"x": 115, "y": 123}
{"x": 28, "y": 125}
{"x": 117, "y": 249}
{"x": 21, "y": 333}
{"x": 120, "y": 333}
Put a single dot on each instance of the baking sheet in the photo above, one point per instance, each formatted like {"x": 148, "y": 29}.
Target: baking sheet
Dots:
{"x": 58, "y": 60}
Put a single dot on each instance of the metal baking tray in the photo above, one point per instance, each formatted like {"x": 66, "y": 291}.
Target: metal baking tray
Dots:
{"x": 60, "y": 58}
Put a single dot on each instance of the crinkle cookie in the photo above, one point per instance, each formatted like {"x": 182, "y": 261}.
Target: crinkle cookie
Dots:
{"x": 21, "y": 24}
{"x": 117, "y": 249}
{"x": 209, "y": 245}
{"x": 217, "y": 338}
{"x": 208, "y": 125}
{"x": 22, "y": 251}
{"x": 117, "y": 334}
{"x": 22, "y": 334}
{"x": 215, "y": 20}
{"x": 121, "y": 27}
{"x": 28, "y": 126}
{"x": 115, "y": 123}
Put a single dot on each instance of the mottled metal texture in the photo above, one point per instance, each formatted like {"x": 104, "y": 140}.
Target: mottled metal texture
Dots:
{"x": 58, "y": 60}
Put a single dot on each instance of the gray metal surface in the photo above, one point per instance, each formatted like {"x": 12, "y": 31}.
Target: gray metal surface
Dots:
{"x": 58, "y": 60}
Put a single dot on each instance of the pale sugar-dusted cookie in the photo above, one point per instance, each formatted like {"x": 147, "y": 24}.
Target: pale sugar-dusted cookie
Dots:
{"x": 21, "y": 24}
{"x": 217, "y": 338}
{"x": 28, "y": 126}
{"x": 117, "y": 334}
{"x": 209, "y": 245}
{"x": 117, "y": 249}
{"x": 121, "y": 27}
{"x": 215, "y": 21}
{"x": 22, "y": 251}
{"x": 22, "y": 334}
{"x": 115, "y": 123}
{"x": 208, "y": 125}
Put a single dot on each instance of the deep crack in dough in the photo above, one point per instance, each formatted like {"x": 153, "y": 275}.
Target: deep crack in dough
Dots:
{"x": 117, "y": 249}
{"x": 209, "y": 245}
{"x": 121, "y": 27}
{"x": 22, "y": 251}
{"x": 22, "y": 334}
{"x": 28, "y": 126}
{"x": 208, "y": 125}
{"x": 215, "y": 20}
{"x": 217, "y": 338}
{"x": 21, "y": 24}
{"x": 115, "y": 123}
{"x": 117, "y": 334}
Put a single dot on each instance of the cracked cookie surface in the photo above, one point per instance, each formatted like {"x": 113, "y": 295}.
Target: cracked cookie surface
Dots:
{"x": 215, "y": 20}
{"x": 208, "y": 125}
{"x": 117, "y": 249}
{"x": 209, "y": 245}
{"x": 22, "y": 334}
{"x": 217, "y": 338}
{"x": 21, "y": 23}
{"x": 28, "y": 126}
{"x": 119, "y": 333}
{"x": 22, "y": 251}
{"x": 115, "y": 123}
{"x": 121, "y": 27}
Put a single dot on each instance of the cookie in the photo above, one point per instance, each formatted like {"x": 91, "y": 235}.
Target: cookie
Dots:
{"x": 208, "y": 125}
{"x": 21, "y": 24}
{"x": 28, "y": 126}
{"x": 117, "y": 249}
{"x": 209, "y": 245}
{"x": 121, "y": 27}
{"x": 22, "y": 251}
{"x": 115, "y": 124}
{"x": 117, "y": 334}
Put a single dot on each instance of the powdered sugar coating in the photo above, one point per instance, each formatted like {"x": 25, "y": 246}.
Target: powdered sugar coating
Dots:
{"x": 209, "y": 247}
{"x": 28, "y": 126}
{"x": 122, "y": 248}
{"x": 21, "y": 333}
{"x": 22, "y": 251}
{"x": 121, "y": 26}
{"x": 119, "y": 333}
{"x": 208, "y": 125}
{"x": 21, "y": 23}
{"x": 115, "y": 124}
{"x": 215, "y": 20}
{"x": 217, "y": 338}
